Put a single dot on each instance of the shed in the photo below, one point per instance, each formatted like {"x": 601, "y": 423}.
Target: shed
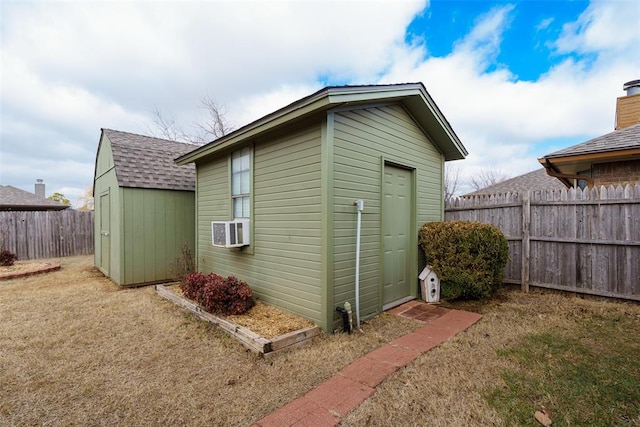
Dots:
{"x": 295, "y": 175}
{"x": 144, "y": 207}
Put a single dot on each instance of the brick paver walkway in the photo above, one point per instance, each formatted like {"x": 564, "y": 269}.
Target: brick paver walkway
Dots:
{"x": 328, "y": 403}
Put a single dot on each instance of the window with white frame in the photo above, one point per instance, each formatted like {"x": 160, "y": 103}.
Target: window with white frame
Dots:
{"x": 240, "y": 182}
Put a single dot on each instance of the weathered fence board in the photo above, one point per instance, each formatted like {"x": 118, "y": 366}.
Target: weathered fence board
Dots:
{"x": 585, "y": 241}
{"x": 42, "y": 234}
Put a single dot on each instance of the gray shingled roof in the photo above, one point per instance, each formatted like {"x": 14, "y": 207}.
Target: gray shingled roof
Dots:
{"x": 535, "y": 181}
{"x": 147, "y": 162}
{"x": 621, "y": 139}
{"x": 15, "y": 199}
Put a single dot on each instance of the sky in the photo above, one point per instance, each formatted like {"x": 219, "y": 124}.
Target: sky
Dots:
{"x": 516, "y": 80}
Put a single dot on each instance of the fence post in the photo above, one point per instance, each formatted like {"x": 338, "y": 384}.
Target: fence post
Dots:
{"x": 526, "y": 247}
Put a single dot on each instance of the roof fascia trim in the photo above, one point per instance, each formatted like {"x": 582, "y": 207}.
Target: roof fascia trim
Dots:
{"x": 300, "y": 108}
{"x": 344, "y": 97}
{"x": 600, "y": 155}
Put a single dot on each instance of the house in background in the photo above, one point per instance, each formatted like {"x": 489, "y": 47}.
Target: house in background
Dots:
{"x": 15, "y": 199}
{"x": 537, "y": 180}
{"x": 611, "y": 159}
{"x": 144, "y": 207}
{"x": 292, "y": 179}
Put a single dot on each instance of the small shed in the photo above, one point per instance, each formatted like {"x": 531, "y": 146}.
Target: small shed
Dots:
{"x": 144, "y": 207}
{"x": 292, "y": 179}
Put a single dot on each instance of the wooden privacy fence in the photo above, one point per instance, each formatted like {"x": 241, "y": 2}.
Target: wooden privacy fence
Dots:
{"x": 43, "y": 234}
{"x": 585, "y": 241}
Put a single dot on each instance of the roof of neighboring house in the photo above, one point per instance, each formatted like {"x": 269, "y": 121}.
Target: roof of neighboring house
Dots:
{"x": 15, "y": 199}
{"x": 619, "y": 145}
{"x": 413, "y": 96}
{"x": 147, "y": 162}
{"x": 622, "y": 139}
{"x": 535, "y": 181}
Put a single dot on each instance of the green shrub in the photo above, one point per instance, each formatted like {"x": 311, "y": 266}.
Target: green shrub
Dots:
{"x": 468, "y": 257}
{"x": 7, "y": 259}
{"x": 218, "y": 295}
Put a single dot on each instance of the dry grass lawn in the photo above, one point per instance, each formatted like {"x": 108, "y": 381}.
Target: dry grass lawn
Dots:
{"x": 453, "y": 384}
{"x": 77, "y": 350}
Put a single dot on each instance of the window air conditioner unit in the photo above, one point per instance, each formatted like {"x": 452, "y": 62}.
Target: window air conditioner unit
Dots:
{"x": 230, "y": 234}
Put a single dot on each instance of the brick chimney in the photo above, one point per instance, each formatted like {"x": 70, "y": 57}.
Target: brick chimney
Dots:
{"x": 40, "y": 188}
{"x": 628, "y": 107}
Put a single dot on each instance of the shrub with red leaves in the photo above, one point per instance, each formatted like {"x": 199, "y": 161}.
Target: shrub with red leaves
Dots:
{"x": 218, "y": 295}
{"x": 240, "y": 296}
{"x": 192, "y": 285}
{"x": 213, "y": 297}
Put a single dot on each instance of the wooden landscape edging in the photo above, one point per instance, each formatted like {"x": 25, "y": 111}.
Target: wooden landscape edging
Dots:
{"x": 245, "y": 336}
{"x": 19, "y": 274}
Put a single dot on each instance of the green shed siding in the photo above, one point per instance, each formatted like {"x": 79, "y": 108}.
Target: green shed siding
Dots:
{"x": 283, "y": 263}
{"x": 155, "y": 224}
{"x": 311, "y": 160}
{"x": 106, "y": 182}
{"x": 364, "y": 140}
{"x": 147, "y": 226}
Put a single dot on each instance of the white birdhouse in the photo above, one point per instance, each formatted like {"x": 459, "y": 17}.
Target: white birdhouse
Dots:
{"x": 429, "y": 285}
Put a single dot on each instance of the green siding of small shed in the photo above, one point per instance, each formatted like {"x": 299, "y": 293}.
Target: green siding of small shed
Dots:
{"x": 283, "y": 263}
{"x": 155, "y": 225}
{"x": 304, "y": 184}
{"x": 363, "y": 141}
{"x": 148, "y": 226}
{"x": 106, "y": 182}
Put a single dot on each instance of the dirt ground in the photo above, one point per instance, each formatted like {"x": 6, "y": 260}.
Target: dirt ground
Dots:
{"x": 75, "y": 349}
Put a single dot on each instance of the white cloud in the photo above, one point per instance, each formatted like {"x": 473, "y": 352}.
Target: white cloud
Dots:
{"x": 70, "y": 68}
{"x": 544, "y": 24}
{"x": 502, "y": 121}
{"x": 603, "y": 26}
{"x": 257, "y": 106}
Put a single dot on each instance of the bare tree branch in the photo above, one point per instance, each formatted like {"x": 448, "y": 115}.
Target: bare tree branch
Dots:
{"x": 166, "y": 127}
{"x": 487, "y": 177}
{"x": 451, "y": 181}
{"x": 213, "y": 126}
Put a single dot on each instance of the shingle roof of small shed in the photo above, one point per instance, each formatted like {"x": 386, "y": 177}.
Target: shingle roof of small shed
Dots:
{"x": 147, "y": 162}
{"x": 15, "y": 199}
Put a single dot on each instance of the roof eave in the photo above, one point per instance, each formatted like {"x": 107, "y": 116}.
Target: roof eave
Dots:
{"x": 413, "y": 95}
{"x": 10, "y": 207}
{"x": 279, "y": 117}
{"x": 435, "y": 125}
{"x": 583, "y": 161}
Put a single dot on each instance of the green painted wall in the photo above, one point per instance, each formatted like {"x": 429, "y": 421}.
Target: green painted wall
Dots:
{"x": 155, "y": 224}
{"x": 283, "y": 263}
{"x": 363, "y": 141}
{"x": 302, "y": 256}
{"x": 148, "y": 226}
{"x": 106, "y": 182}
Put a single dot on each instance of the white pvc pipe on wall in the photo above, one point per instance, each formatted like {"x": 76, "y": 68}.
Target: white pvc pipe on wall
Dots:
{"x": 360, "y": 205}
